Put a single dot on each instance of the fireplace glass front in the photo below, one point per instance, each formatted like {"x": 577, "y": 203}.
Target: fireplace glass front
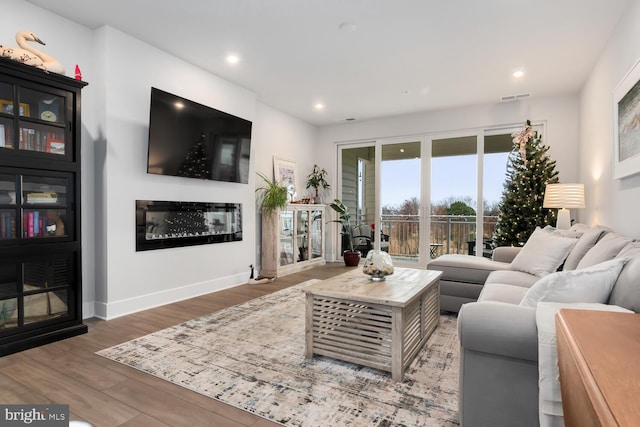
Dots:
{"x": 162, "y": 224}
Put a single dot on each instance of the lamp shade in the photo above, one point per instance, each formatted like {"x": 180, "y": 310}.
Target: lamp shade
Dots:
{"x": 564, "y": 196}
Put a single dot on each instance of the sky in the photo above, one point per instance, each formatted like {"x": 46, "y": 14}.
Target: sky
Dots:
{"x": 451, "y": 176}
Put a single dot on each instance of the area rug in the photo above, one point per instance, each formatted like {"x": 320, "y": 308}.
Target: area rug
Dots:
{"x": 251, "y": 356}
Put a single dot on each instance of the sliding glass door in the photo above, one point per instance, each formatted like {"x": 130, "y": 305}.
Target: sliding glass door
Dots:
{"x": 454, "y": 173}
{"x": 423, "y": 197}
{"x": 400, "y": 200}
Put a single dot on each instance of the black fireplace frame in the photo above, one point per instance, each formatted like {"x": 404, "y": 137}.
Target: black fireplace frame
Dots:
{"x": 153, "y": 233}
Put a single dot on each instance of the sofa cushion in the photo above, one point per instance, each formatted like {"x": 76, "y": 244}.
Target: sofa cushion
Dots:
{"x": 516, "y": 278}
{"x": 607, "y": 248}
{"x": 465, "y": 268}
{"x": 626, "y": 291}
{"x": 502, "y": 293}
{"x": 543, "y": 253}
{"x": 592, "y": 284}
{"x": 586, "y": 241}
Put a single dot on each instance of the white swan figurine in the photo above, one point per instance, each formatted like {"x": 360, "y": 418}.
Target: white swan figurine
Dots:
{"x": 27, "y": 54}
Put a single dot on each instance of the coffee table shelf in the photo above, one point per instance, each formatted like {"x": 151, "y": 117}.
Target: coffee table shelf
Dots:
{"x": 382, "y": 325}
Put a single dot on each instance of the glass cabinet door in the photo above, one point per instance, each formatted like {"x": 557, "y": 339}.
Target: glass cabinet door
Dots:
{"x": 7, "y": 207}
{"x": 8, "y": 297}
{"x": 35, "y": 206}
{"x": 316, "y": 234}
{"x": 45, "y": 210}
{"x": 45, "y": 286}
{"x": 302, "y": 235}
{"x": 286, "y": 237}
{"x": 41, "y": 120}
{"x": 6, "y": 116}
{"x": 35, "y": 290}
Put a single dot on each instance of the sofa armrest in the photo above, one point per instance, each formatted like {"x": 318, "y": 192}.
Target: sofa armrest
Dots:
{"x": 499, "y": 328}
{"x": 505, "y": 253}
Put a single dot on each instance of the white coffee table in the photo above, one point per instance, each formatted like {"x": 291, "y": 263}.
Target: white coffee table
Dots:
{"x": 382, "y": 325}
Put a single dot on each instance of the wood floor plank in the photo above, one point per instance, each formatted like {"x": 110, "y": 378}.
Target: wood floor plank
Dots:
{"x": 89, "y": 403}
{"x": 106, "y": 393}
{"x": 178, "y": 392}
{"x": 144, "y": 420}
{"x": 14, "y": 392}
{"x": 152, "y": 400}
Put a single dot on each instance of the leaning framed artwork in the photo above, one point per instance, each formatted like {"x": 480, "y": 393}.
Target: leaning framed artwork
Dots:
{"x": 284, "y": 171}
{"x": 626, "y": 128}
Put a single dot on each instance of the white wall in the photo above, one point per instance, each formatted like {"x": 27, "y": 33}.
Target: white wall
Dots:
{"x": 135, "y": 280}
{"x": 614, "y": 203}
{"x": 115, "y": 111}
{"x": 560, "y": 115}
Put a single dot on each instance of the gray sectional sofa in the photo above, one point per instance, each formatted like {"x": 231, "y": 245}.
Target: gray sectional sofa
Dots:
{"x": 500, "y": 302}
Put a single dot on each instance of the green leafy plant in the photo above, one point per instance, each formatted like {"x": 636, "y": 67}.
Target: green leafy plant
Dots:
{"x": 345, "y": 219}
{"x": 317, "y": 179}
{"x": 272, "y": 195}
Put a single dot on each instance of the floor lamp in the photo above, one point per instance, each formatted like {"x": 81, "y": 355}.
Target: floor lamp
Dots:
{"x": 564, "y": 197}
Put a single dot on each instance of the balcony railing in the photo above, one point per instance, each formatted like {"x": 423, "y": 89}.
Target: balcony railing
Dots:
{"x": 450, "y": 234}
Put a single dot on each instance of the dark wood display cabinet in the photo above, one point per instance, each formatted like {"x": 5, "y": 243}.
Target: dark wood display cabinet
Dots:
{"x": 40, "y": 252}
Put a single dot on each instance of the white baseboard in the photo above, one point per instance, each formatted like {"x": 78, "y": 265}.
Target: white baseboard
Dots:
{"x": 112, "y": 310}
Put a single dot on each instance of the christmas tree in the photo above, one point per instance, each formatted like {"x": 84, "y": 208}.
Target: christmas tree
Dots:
{"x": 529, "y": 170}
{"x": 195, "y": 163}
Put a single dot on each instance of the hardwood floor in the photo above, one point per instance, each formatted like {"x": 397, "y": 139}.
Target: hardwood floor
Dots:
{"x": 106, "y": 393}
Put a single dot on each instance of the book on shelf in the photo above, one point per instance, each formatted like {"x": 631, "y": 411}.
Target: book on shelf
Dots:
{"x": 36, "y": 223}
{"x": 7, "y": 225}
{"x": 30, "y": 224}
{"x": 42, "y": 197}
{"x": 3, "y": 141}
{"x": 37, "y": 140}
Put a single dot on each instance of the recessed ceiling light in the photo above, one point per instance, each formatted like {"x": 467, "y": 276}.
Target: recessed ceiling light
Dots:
{"x": 233, "y": 59}
{"x": 518, "y": 74}
{"x": 179, "y": 105}
{"x": 319, "y": 106}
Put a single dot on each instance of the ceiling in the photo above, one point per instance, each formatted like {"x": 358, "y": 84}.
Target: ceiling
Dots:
{"x": 391, "y": 57}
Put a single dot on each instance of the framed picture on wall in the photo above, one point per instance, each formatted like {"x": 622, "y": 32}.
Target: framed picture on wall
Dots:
{"x": 626, "y": 119}
{"x": 284, "y": 170}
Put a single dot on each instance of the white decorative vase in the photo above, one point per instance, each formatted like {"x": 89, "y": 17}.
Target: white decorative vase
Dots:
{"x": 378, "y": 265}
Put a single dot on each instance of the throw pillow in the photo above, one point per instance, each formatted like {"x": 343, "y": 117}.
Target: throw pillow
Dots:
{"x": 607, "y": 248}
{"x": 626, "y": 291}
{"x": 588, "y": 240}
{"x": 592, "y": 284}
{"x": 543, "y": 253}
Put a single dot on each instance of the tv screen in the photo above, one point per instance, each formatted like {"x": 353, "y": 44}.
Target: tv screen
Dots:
{"x": 195, "y": 141}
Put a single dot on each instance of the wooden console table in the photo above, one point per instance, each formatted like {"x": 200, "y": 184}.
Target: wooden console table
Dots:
{"x": 382, "y": 325}
{"x": 598, "y": 357}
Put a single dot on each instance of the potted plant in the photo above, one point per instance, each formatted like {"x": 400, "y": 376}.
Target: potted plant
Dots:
{"x": 351, "y": 257}
{"x": 272, "y": 195}
{"x": 317, "y": 179}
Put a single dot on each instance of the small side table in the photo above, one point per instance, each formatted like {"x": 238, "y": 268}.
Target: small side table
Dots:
{"x": 599, "y": 374}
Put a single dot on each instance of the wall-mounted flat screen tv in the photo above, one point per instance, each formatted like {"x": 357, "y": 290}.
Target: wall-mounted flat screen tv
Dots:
{"x": 195, "y": 141}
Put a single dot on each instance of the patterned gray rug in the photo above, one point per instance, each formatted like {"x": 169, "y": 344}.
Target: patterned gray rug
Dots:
{"x": 251, "y": 356}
